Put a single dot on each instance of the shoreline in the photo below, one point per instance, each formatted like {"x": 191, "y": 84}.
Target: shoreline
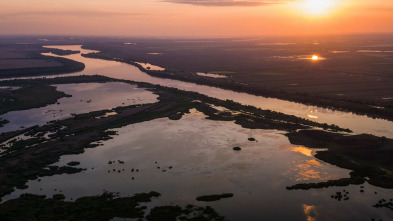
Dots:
{"x": 84, "y": 129}
{"x": 383, "y": 110}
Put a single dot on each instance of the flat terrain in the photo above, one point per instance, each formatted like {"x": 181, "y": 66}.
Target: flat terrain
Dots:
{"x": 27, "y": 97}
{"x": 27, "y": 63}
{"x": 353, "y": 73}
{"x": 357, "y": 67}
{"x": 26, "y": 60}
{"x": 32, "y": 154}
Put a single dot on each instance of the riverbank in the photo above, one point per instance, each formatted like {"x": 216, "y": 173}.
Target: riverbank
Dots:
{"x": 256, "y": 85}
{"x": 20, "y": 60}
{"x": 27, "y": 159}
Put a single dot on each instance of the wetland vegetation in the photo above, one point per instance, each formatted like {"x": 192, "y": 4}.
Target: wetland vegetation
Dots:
{"x": 17, "y": 60}
{"x": 251, "y": 67}
{"x": 102, "y": 207}
{"x": 23, "y": 160}
{"x": 29, "y": 96}
{"x": 32, "y": 153}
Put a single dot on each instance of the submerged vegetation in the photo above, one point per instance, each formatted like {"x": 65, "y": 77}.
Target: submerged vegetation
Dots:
{"x": 31, "y": 158}
{"x": 366, "y": 155}
{"x": 19, "y": 164}
{"x": 210, "y": 198}
{"x": 32, "y": 63}
{"x": 26, "y": 159}
{"x": 269, "y": 80}
{"x": 103, "y": 207}
{"x": 27, "y": 97}
{"x": 3, "y": 121}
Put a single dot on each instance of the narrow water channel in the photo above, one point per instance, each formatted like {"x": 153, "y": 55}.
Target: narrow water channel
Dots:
{"x": 119, "y": 70}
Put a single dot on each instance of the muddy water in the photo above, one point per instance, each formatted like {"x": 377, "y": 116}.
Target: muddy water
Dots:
{"x": 357, "y": 123}
{"x": 85, "y": 98}
{"x": 194, "y": 157}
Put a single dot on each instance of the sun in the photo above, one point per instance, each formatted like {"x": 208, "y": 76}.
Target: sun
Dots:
{"x": 315, "y": 58}
{"x": 317, "y": 7}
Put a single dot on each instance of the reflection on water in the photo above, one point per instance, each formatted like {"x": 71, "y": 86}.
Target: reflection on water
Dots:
{"x": 114, "y": 69}
{"x": 313, "y": 162}
{"x": 193, "y": 156}
{"x": 313, "y": 113}
{"x": 211, "y": 75}
{"x": 373, "y": 51}
{"x": 148, "y": 66}
{"x": 306, "y": 172}
{"x": 176, "y": 158}
{"x": 338, "y": 52}
{"x": 310, "y": 212}
{"x": 303, "y": 150}
{"x": 85, "y": 98}
{"x": 8, "y": 88}
{"x": 276, "y": 44}
{"x": 107, "y": 114}
{"x": 299, "y": 57}
{"x": 312, "y": 116}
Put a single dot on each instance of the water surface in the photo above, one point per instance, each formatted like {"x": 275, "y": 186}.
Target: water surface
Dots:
{"x": 85, "y": 98}
{"x": 195, "y": 157}
{"x": 115, "y": 69}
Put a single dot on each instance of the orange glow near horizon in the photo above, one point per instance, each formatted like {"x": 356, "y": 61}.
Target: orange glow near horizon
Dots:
{"x": 317, "y": 7}
{"x": 194, "y": 19}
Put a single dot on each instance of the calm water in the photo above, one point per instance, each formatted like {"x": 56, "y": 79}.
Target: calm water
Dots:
{"x": 211, "y": 75}
{"x": 203, "y": 162}
{"x": 114, "y": 69}
{"x": 85, "y": 98}
{"x": 197, "y": 156}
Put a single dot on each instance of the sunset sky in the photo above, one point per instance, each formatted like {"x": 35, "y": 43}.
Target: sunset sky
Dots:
{"x": 196, "y": 18}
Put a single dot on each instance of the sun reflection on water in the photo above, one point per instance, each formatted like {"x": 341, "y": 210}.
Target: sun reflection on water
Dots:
{"x": 313, "y": 114}
{"x": 302, "y": 150}
{"x": 310, "y": 211}
{"x": 306, "y": 168}
{"x": 306, "y": 172}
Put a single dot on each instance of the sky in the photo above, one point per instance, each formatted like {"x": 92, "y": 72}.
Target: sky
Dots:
{"x": 195, "y": 18}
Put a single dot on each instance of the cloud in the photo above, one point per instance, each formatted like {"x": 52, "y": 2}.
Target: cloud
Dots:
{"x": 228, "y": 2}
{"x": 66, "y": 13}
